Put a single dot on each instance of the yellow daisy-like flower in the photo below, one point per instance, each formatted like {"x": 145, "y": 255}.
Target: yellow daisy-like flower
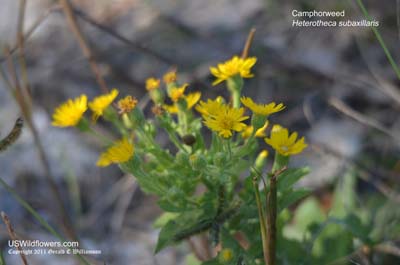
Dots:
{"x": 226, "y": 120}
{"x": 262, "y": 109}
{"x": 100, "y": 103}
{"x": 211, "y": 107}
{"x": 259, "y": 133}
{"x": 152, "y": 83}
{"x": 120, "y": 152}
{"x": 177, "y": 92}
{"x": 232, "y": 67}
{"x": 191, "y": 99}
{"x": 127, "y": 104}
{"x": 170, "y": 77}
{"x": 70, "y": 112}
{"x": 284, "y": 143}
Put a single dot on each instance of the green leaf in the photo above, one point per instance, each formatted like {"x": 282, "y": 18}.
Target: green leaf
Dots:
{"x": 290, "y": 176}
{"x": 344, "y": 201}
{"x": 308, "y": 212}
{"x": 166, "y": 235}
{"x": 163, "y": 219}
{"x": 290, "y": 197}
{"x": 168, "y": 206}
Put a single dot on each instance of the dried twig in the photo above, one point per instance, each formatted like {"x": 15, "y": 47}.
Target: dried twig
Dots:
{"x": 83, "y": 43}
{"x": 388, "y": 248}
{"x": 363, "y": 172}
{"x": 13, "y": 236}
{"x": 33, "y": 28}
{"x": 118, "y": 36}
{"x": 249, "y": 41}
{"x": 195, "y": 250}
{"x": 361, "y": 118}
{"x": 125, "y": 199}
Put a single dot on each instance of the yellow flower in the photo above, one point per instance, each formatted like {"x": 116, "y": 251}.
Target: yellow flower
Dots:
{"x": 152, "y": 83}
{"x": 70, "y": 113}
{"x": 127, "y": 104}
{"x": 259, "y": 133}
{"x": 100, "y": 103}
{"x": 191, "y": 99}
{"x": 232, "y": 67}
{"x": 211, "y": 107}
{"x": 262, "y": 109}
{"x": 284, "y": 143}
{"x": 170, "y": 77}
{"x": 226, "y": 120}
{"x": 120, "y": 152}
{"x": 177, "y": 92}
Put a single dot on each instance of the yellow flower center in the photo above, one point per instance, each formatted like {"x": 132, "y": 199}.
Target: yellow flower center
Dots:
{"x": 127, "y": 104}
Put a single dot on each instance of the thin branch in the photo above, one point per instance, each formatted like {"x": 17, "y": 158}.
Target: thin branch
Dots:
{"x": 13, "y": 236}
{"x": 83, "y": 43}
{"x": 388, "y": 248}
{"x": 361, "y": 118}
{"x": 118, "y": 36}
{"x": 33, "y": 28}
{"x": 363, "y": 172}
{"x": 195, "y": 250}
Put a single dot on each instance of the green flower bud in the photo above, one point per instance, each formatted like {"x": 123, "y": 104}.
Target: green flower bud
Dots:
{"x": 150, "y": 128}
{"x": 126, "y": 121}
{"x": 260, "y": 160}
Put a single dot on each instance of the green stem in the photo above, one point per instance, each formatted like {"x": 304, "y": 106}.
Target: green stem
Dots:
{"x": 261, "y": 217}
{"x": 235, "y": 85}
{"x": 100, "y": 136}
{"x": 271, "y": 221}
{"x": 380, "y": 39}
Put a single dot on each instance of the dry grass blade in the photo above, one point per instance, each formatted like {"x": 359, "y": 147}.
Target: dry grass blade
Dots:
{"x": 13, "y": 236}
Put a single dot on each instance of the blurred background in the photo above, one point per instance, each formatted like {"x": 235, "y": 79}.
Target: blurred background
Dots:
{"x": 339, "y": 87}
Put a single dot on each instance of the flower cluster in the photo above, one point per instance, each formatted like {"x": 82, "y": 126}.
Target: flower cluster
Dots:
{"x": 192, "y": 160}
{"x": 71, "y": 113}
